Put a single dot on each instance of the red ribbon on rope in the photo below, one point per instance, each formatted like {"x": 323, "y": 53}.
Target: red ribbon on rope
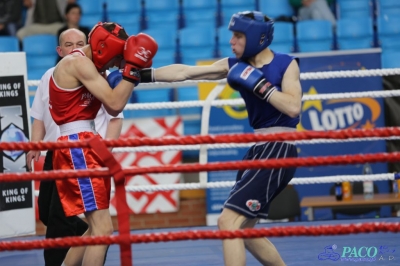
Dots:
{"x": 116, "y": 171}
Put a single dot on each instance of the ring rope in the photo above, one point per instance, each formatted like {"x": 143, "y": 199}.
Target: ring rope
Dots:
{"x": 208, "y": 139}
{"x": 235, "y": 102}
{"x": 294, "y": 181}
{"x": 240, "y": 145}
{"x": 280, "y": 231}
{"x": 217, "y": 166}
{"x": 303, "y": 76}
{"x": 229, "y": 184}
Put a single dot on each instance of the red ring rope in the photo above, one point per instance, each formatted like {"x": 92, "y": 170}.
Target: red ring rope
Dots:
{"x": 327, "y": 230}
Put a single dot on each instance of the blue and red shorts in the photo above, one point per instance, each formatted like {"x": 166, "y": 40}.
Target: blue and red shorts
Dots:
{"x": 80, "y": 195}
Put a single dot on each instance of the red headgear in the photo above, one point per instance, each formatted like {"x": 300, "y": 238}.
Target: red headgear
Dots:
{"x": 105, "y": 45}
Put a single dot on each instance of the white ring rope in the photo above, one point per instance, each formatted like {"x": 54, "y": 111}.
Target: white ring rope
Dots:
{"x": 235, "y": 102}
{"x": 303, "y": 76}
{"x": 294, "y": 181}
{"x": 229, "y": 184}
{"x": 239, "y": 145}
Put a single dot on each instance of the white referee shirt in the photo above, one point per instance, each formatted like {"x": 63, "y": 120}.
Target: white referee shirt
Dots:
{"x": 40, "y": 111}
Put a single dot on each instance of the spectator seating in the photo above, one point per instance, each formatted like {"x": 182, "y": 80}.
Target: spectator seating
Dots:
{"x": 9, "y": 44}
{"x": 314, "y": 35}
{"x": 390, "y": 58}
{"x": 230, "y": 7}
{"x": 283, "y": 41}
{"x": 389, "y": 32}
{"x": 167, "y": 46}
{"x": 200, "y": 12}
{"x": 224, "y": 46}
{"x": 196, "y": 43}
{"x": 354, "y": 8}
{"x": 388, "y": 8}
{"x": 126, "y": 13}
{"x": 161, "y": 13}
{"x": 92, "y": 12}
{"x": 275, "y": 9}
{"x": 354, "y": 33}
{"x": 40, "y": 54}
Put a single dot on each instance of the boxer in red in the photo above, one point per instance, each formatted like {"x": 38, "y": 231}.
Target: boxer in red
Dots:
{"x": 76, "y": 91}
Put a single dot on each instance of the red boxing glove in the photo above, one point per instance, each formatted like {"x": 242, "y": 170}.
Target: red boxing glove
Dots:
{"x": 138, "y": 53}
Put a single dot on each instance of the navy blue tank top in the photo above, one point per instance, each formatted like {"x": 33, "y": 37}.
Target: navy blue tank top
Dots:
{"x": 261, "y": 113}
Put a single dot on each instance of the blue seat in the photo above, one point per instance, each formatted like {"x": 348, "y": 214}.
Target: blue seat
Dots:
{"x": 90, "y": 20}
{"x": 314, "y": 35}
{"x": 196, "y": 43}
{"x": 389, "y": 32}
{"x": 40, "y": 44}
{"x": 126, "y": 19}
{"x": 274, "y": 9}
{"x": 150, "y": 96}
{"x": 390, "y": 58}
{"x": 388, "y": 7}
{"x": 354, "y": 8}
{"x": 90, "y": 7}
{"x": 165, "y": 39}
{"x": 354, "y": 33}
{"x": 164, "y": 57}
{"x": 160, "y": 13}
{"x": 199, "y": 12}
{"x": 283, "y": 41}
{"x": 167, "y": 46}
{"x": 224, "y": 37}
{"x": 228, "y": 8}
{"x": 92, "y": 12}
{"x": 132, "y": 29}
{"x": 40, "y": 53}
{"x": 9, "y": 44}
{"x": 245, "y": 5}
{"x": 126, "y": 13}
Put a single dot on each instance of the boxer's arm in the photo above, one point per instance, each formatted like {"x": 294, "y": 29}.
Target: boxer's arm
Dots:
{"x": 114, "y": 100}
{"x": 289, "y": 100}
{"x": 38, "y": 132}
{"x": 179, "y": 72}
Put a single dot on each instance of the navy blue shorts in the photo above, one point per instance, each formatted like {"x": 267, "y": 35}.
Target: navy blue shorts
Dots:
{"x": 256, "y": 188}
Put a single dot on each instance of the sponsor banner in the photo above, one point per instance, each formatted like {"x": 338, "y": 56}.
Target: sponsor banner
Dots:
{"x": 17, "y": 215}
{"x": 316, "y": 115}
{"x": 352, "y": 113}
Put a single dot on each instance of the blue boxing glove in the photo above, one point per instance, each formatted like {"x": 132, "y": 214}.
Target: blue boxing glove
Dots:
{"x": 250, "y": 78}
{"x": 114, "y": 78}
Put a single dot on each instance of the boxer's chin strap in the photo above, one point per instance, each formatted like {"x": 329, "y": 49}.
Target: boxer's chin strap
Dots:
{"x": 116, "y": 171}
{"x": 147, "y": 75}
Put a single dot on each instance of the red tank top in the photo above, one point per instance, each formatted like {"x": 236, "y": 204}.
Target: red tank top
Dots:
{"x": 72, "y": 104}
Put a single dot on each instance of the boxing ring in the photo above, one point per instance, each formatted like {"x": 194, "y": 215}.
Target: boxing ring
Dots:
{"x": 300, "y": 243}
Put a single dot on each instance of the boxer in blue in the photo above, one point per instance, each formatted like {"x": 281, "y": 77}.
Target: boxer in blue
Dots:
{"x": 269, "y": 83}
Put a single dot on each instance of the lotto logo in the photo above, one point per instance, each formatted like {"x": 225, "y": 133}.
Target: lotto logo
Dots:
{"x": 246, "y": 72}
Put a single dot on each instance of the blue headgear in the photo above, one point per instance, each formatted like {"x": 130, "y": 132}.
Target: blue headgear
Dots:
{"x": 259, "y": 33}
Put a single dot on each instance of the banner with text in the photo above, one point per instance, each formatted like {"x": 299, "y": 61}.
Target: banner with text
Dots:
{"x": 17, "y": 216}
